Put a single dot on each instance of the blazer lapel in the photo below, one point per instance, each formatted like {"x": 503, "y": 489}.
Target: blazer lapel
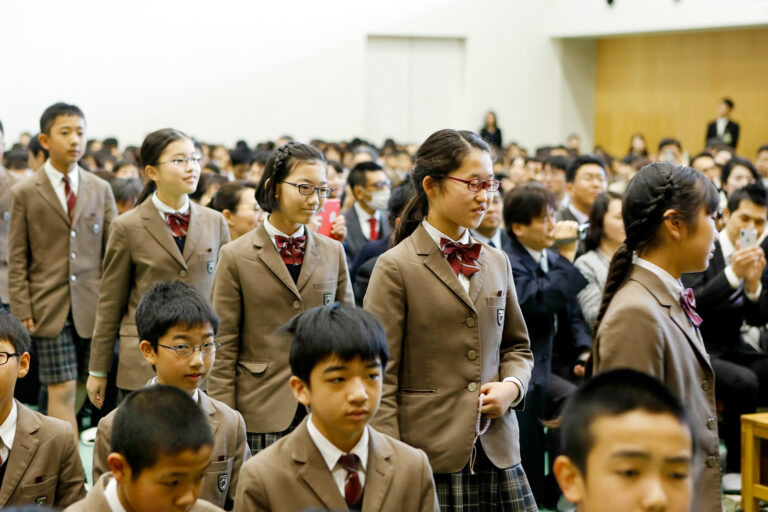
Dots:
{"x": 155, "y": 226}
{"x": 25, "y": 446}
{"x": 84, "y": 195}
{"x": 477, "y": 280}
{"x": 313, "y": 469}
{"x": 271, "y": 258}
{"x": 210, "y": 412}
{"x": 49, "y": 195}
{"x": 311, "y": 259}
{"x": 195, "y": 230}
{"x": 436, "y": 262}
{"x": 379, "y": 473}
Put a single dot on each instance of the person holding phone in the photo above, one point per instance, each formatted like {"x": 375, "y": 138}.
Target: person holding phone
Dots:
{"x": 730, "y": 293}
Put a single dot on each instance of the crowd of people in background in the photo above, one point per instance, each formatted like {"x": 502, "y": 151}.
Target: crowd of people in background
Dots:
{"x": 245, "y": 226}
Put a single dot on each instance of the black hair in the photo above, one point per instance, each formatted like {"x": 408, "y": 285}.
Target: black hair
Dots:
{"x": 596, "y": 230}
{"x": 337, "y": 166}
{"x": 170, "y": 304}
{"x": 261, "y": 156}
{"x": 17, "y": 159}
{"x": 736, "y": 162}
{"x": 580, "y": 161}
{"x": 125, "y": 189}
{"x": 703, "y": 154}
{"x": 613, "y": 393}
{"x": 109, "y": 143}
{"x": 442, "y": 153}
{"x": 397, "y": 200}
{"x": 762, "y": 148}
{"x": 656, "y": 188}
{"x": 279, "y": 165}
{"x": 35, "y": 147}
{"x": 151, "y": 149}
{"x": 158, "y": 420}
{"x": 204, "y": 183}
{"x": 12, "y": 331}
{"x": 334, "y": 330}
{"x": 211, "y": 166}
{"x": 242, "y": 154}
{"x": 123, "y": 163}
{"x": 754, "y": 192}
{"x": 229, "y": 194}
{"x": 358, "y": 174}
{"x": 558, "y": 162}
{"x": 526, "y": 202}
{"x": 644, "y": 152}
{"x": 58, "y": 109}
{"x": 729, "y": 102}
{"x": 667, "y": 141}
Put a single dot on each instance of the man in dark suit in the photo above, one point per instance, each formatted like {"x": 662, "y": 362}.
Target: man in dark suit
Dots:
{"x": 585, "y": 180}
{"x": 367, "y": 220}
{"x": 722, "y": 127}
{"x": 731, "y": 291}
{"x": 547, "y": 285}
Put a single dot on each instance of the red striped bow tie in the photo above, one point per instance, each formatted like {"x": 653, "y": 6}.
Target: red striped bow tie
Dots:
{"x": 688, "y": 301}
{"x": 461, "y": 257}
{"x": 178, "y": 222}
{"x": 291, "y": 249}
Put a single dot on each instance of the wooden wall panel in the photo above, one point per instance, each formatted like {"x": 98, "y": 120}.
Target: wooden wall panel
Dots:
{"x": 669, "y": 85}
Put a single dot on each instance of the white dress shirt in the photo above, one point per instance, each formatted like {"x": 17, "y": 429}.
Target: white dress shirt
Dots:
{"x": 331, "y": 455}
{"x": 195, "y": 395}
{"x": 496, "y": 238}
{"x": 8, "y": 432}
{"x": 113, "y": 500}
{"x": 57, "y": 180}
{"x": 435, "y": 234}
{"x": 365, "y": 220}
{"x": 721, "y": 123}
{"x": 675, "y": 286}
{"x": 581, "y": 218}
{"x": 728, "y": 249}
{"x": 272, "y": 231}
{"x": 164, "y": 208}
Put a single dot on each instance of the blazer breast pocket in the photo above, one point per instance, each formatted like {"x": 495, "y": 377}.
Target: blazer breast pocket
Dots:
{"x": 95, "y": 224}
{"x": 209, "y": 260}
{"x": 42, "y": 493}
{"x": 218, "y": 477}
{"x": 497, "y": 307}
{"x": 327, "y": 291}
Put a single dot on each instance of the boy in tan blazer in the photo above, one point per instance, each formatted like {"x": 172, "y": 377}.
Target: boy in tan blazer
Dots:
{"x": 334, "y": 460}
{"x": 161, "y": 448}
{"x": 39, "y": 459}
{"x": 6, "y": 182}
{"x": 164, "y": 339}
{"x": 59, "y": 223}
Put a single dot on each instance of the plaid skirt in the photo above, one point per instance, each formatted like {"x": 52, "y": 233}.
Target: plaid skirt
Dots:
{"x": 490, "y": 489}
{"x": 63, "y": 358}
{"x": 257, "y": 441}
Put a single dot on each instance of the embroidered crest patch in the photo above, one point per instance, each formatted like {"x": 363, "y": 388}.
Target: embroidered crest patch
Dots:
{"x": 96, "y": 228}
{"x": 211, "y": 267}
{"x": 500, "y": 316}
{"x": 327, "y": 298}
{"x": 223, "y": 482}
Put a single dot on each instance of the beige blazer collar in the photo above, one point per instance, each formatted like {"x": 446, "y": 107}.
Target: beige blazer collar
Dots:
{"x": 436, "y": 262}
{"x": 158, "y": 230}
{"x": 48, "y": 194}
{"x": 380, "y": 471}
{"x": 207, "y": 406}
{"x": 664, "y": 297}
{"x": 24, "y": 448}
{"x": 271, "y": 258}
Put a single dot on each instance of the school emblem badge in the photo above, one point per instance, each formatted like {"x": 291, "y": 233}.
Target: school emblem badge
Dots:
{"x": 211, "y": 266}
{"x": 500, "y": 316}
{"x": 41, "y": 500}
{"x": 327, "y": 298}
{"x": 223, "y": 482}
{"x": 6, "y": 215}
{"x": 96, "y": 229}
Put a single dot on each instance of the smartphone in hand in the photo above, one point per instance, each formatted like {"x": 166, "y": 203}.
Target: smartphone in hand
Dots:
{"x": 747, "y": 238}
{"x": 328, "y": 214}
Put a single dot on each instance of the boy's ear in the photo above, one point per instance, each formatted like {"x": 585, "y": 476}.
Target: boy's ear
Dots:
{"x": 227, "y": 216}
{"x": 570, "y": 479}
{"x": 150, "y": 355}
{"x": 569, "y": 187}
{"x": 300, "y": 390}
{"x": 43, "y": 139}
{"x": 23, "y": 365}
{"x": 119, "y": 467}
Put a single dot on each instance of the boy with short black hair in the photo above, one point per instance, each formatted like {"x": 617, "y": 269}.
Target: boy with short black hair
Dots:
{"x": 60, "y": 218}
{"x": 174, "y": 319}
{"x": 160, "y": 451}
{"x": 334, "y": 460}
{"x": 39, "y": 459}
{"x": 627, "y": 445}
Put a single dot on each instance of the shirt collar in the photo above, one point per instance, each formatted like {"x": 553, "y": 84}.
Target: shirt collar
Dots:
{"x": 496, "y": 238}
{"x": 726, "y": 246}
{"x": 195, "y": 395}
{"x": 675, "y": 286}
{"x": 435, "y": 234}
{"x": 164, "y": 208}
{"x": 581, "y": 218}
{"x": 331, "y": 453}
{"x": 110, "y": 494}
{"x": 536, "y": 255}
{"x": 8, "y": 428}
{"x": 363, "y": 215}
{"x": 272, "y": 231}
{"x": 55, "y": 175}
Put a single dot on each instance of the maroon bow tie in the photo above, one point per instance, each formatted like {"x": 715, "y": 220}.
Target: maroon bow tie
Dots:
{"x": 688, "y": 302}
{"x": 461, "y": 257}
{"x": 178, "y": 222}
{"x": 291, "y": 249}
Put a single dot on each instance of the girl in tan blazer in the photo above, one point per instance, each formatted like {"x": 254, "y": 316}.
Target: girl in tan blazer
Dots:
{"x": 264, "y": 279}
{"x": 165, "y": 237}
{"x": 458, "y": 343}
{"x": 647, "y": 321}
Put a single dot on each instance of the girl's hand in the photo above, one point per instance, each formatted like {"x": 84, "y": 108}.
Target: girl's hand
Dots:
{"x": 498, "y": 397}
{"x": 339, "y": 228}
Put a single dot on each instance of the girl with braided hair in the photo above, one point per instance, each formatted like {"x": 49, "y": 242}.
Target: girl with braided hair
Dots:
{"x": 265, "y": 278}
{"x": 647, "y": 320}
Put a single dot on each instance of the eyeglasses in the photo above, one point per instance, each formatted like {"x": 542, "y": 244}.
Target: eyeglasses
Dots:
{"x": 182, "y": 162}
{"x": 381, "y": 185}
{"x": 306, "y": 189}
{"x": 476, "y": 184}
{"x": 5, "y": 356}
{"x": 187, "y": 349}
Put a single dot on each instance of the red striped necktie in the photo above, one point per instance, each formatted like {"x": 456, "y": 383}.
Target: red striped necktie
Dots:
{"x": 70, "y": 196}
{"x": 352, "y": 488}
{"x": 688, "y": 302}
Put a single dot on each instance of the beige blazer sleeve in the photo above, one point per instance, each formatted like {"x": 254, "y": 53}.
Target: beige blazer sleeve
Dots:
{"x": 251, "y": 496}
{"x": 71, "y": 486}
{"x": 18, "y": 258}
{"x": 101, "y": 446}
{"x": 226, "y": 295}
{"x": 344, "y": 293}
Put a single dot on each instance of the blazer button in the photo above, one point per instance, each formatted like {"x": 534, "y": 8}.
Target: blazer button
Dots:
{"x": 472, "y": 387}
{"x": 183, "y": 273}
{"x": 706, "y": 385}
{"x": 470, "y": 322}
{"x": 471, "y": 355}
{"x": 297, "y": 304}
{"x": 73, "y": 255}
{"x": 73, "y": 234}
{"x": 712, "y": 461}
{"x": 711, "y": 423}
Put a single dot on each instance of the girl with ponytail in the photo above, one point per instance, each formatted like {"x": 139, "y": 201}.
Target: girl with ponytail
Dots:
{"x": 460, "y": 359}
{"x": 647, "y": 320}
